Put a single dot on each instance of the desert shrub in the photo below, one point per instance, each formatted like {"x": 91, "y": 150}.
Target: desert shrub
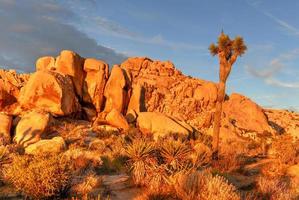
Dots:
{"x": 83, "y": 185}
{"x": 157, "y": 195}
{"x": 277, "y": 188}
{"x": 140, "y": 154}
{"x": 203, "y": 186}
{"x": 231, "y": 157}
{"x": 40, "y": 176}
{"x": 3, "y": 155}
{"x": 81, "y": 160}
{"x": 285, "y": 149}
{"x": 112, "y": 165}
{"x": 175, "y": 154}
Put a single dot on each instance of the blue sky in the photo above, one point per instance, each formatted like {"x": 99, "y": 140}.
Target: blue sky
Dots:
{"x": 176, "y": 30}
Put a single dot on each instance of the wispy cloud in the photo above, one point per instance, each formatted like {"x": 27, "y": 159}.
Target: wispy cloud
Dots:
{"x": 288, "y": 27}
{"x": 275, "y": 82}
{"x": 274, "y": 67}
{"x": 108, "y": 26}
{"x": 36, "y": 28}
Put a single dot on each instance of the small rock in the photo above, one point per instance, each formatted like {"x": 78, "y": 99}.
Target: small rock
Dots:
{"x": 5, "y": 126}
{"x": 54, "y": 145}
{"x": 116, "y": 119}
{"x": 31, "y": 127}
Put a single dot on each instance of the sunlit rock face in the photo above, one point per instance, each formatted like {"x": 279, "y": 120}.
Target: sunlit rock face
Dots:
{"x": 51, "y": 92}
{"x": 168, "y": 91}
{"x": 152, "y": 95}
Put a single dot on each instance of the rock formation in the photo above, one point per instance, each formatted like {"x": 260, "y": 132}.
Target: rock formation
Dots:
{"x": 30, "y": 127}
{"x": 5, "y": 126}
{"x": 97, "y": 73}
{"x": 51, "y": 92}
{"x": 152, "y": 95}
{"x": 159, "y": 125}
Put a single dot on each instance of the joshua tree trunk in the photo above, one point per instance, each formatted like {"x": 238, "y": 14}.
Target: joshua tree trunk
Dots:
{"x": 217, "y": 118}
{"x": 225, "y": 68}
{"x": 228, "y": 51}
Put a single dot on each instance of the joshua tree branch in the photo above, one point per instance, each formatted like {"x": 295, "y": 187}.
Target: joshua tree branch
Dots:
{"x": 233, "y": 59}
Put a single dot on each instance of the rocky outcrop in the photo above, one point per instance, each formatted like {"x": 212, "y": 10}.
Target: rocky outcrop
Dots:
{"x": 31, "y": 127}
{"x": 245, "y": 114}
{"x": 51, "y": 92}
{"x": 284, "y": 122}
{"x": 46, "y": 146}
{"x": 137, "y": 103}
{"x": 117, "y": 90}
{"x": 168, "y": 91}
{"x": 10, "y": 85}
{"x": 97, "y": 73}
{"x": 70, "y": 63}
{"x": 115, "y": 118}
{"x": 188, "y": 99}
{"x": 159, "y": 125}
{"x": 153, "y": 94}
{"x": 5, "y": 126}
{"x": 45, "y": 63}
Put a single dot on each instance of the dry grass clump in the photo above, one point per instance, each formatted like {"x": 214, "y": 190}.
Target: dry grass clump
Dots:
{"x": 157, "y": 195}
{"x": 140, "y": 153}
{"x": 203, "y": 186}
{"x": 154, "y": 163}
{"x": 83, "y": 185}
{"x": 285, "y": 149}
{"x": 277, "y": 188}
{"x": 40, "y": 176}
{"x": 3, "y": 155}
{"x": 175, "y": 154}
{"x": 232, "y": 156}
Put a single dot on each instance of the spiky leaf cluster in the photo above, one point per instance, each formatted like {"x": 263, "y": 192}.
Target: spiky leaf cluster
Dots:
{"x": 228, "y": 47}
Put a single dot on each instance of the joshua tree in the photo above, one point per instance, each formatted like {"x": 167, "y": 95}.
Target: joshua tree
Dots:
{"x": 228, "y": 51}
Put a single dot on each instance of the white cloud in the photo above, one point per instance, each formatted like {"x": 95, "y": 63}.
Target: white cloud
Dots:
{"x": 275, "y": 82}
{"x": 34, "y": 28}
{"x": 288, "y": 27}
{"x": 110, "y": 27}
{"x": 274, "y": 67}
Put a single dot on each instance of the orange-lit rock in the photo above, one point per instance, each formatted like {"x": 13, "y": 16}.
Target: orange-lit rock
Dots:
{"x": 97, "y": 73}
{"x": 168, "y": 91}
{"x": 116, "y": 90}
{"x": 159, "y": 125}
{"x": 116, "y": 119}
{"x": 46, "y": 146}
{"x": 70, "y": 63}
{"x": 51, "y": 92}
{"x": 30, "y": 128}
{"x": 10, "y": 85}
{"x": 45, "y": 63}
{"x": 245, "y": 114}
{"x": 136, "y": 102}
{"x": 5, "y": 127}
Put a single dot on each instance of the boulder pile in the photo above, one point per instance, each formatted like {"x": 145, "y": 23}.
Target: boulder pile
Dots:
{"x": 152, "y": 95}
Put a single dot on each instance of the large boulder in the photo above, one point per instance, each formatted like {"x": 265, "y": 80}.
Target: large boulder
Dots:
{"x": 159, "y": 125}
{"x": 45, "y": 63}
{"x": 70, "y": 63}
{"x": 245, "y": 114}
{"x": 5, "y": 126}
{"x": 31, "y": 127}
{"x": 49, "y": 91}
{"x": 54, "y": 145}
{"x": 10, "y": 84}
{"x": 116, "y": 90}
{"x": 136, "y": 102}
{"x": 168, "y": 91}
{"x": 116, "y": 119}
{"x": 97, "y": 73}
